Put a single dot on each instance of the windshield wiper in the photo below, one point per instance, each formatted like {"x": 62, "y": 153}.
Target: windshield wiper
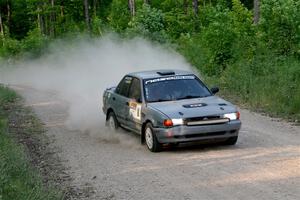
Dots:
{"x": 206, "y": 96}
{"x": 188, "y": 97}
{"x": 159, "y": 100}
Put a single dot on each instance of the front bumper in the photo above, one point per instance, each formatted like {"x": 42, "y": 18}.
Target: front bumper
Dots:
{"x": 196, "y": 133}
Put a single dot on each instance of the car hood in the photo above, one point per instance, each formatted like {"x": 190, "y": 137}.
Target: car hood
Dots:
{"x": 198, "y": 107}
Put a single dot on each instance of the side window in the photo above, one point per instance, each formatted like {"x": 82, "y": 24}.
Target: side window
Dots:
{"x": 135, "y": 90}
{"x": 124, "y": 86}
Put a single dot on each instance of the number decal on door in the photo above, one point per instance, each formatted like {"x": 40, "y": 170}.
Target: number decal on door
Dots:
{"x": 135, "y": 110}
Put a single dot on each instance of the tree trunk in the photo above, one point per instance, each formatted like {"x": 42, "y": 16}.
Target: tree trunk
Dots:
{"x": 195, "y": 5}
{"x": 8, "y": 14}
{"x": 62, "y": 8}
{"x": 41, "y": 22}
{"x": 185, "y": 6}
{"x": 1, "y": 26}
{"x": 52, "y": 19}
{"x": 256, "y": 11}
{"x": 86, "y": 14}
{"x": 95, "y": 2}
{"x": 131, "y": 6}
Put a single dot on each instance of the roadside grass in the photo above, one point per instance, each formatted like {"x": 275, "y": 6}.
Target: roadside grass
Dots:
{"x": 18, "y": 179}
{"x": 6, "y": 96}
{"x": 271, "y": 86}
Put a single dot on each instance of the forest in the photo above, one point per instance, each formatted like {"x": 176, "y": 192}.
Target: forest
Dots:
{"x": 250, "y": 48}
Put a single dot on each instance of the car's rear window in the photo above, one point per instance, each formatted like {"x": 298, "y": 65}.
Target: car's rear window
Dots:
{"x": 174, "y": 88}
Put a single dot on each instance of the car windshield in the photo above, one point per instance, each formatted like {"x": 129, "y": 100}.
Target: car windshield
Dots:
{"x": 174, "y": 88}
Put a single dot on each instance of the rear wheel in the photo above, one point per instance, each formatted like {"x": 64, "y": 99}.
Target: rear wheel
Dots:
{"x": 231, "y": 140}
{"x": 151, "y": 140}
{"x": 111, "y": 121}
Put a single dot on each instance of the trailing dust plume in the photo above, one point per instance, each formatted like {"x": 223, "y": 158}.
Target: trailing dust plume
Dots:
{"x": 80, "y": 72}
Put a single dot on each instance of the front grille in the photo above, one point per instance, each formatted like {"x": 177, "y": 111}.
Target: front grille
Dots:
{"x": 202, "y": 118}
{"x": 208, "y": 120}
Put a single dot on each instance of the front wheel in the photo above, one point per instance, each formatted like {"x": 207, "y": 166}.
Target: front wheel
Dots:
{"x": 111, "y": 121}
{"x": 151, "y": 140}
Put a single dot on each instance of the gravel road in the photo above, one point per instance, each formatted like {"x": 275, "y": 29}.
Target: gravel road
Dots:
{"x": 265, "y": 163}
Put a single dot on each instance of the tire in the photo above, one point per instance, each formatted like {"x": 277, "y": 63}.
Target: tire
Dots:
{"x": 151, "y": 140}
{"x": 231, "y": 140}
{"x": 111, "y": 121}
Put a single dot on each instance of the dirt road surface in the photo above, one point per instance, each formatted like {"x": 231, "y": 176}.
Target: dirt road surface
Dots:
{"x": 265, "y": 163}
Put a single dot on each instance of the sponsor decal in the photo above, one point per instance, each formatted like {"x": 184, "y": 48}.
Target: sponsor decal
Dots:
{"x": 169, "y": 78}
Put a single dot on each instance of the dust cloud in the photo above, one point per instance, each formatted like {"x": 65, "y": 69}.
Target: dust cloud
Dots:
{"x": 80, "y": 72}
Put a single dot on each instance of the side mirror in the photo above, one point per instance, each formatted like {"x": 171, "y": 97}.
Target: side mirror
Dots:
{"x": 139, "y": 100}
{"x": 214, "y": 90}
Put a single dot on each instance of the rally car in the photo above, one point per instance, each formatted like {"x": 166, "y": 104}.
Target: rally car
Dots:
{"x": 170, "y": 107}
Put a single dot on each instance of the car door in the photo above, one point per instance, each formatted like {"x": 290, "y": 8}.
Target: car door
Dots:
{"x": 121, "y": 100}
{"x": 135, "y": 105}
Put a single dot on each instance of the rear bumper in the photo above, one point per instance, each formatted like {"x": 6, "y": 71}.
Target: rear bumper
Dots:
{"x": 196, "y": 133}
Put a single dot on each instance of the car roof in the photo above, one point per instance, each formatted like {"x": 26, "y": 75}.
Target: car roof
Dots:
{"x": 159, "y": 73}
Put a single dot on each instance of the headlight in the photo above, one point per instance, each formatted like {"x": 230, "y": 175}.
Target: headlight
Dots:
{"x": 232, "y": 116}
{"x": 173, "y": 122}
{"x": 177, "y": 122}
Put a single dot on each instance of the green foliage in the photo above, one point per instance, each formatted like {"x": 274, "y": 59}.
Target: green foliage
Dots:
{"x": 150, "y": 19}
{"x": 73, "y": 10}
{"x": 191, "y": 48}
{"x": 222, "y": 32}
{"x": 9, "y": 47}
{"x": 149, "y": 23}
{"x": 167, "y": 5}
{"x": 104, "y": 9}
{"x": 218, "y": 38}
{"x": 96, "y": 26}
{"x": 34, "y": 42}
{"x": 20, "y": 21}
{"x": 248, "y": 3}
{"x": 119, "y": 16}
{"x": 280, "y": 25}
{"x": 178, "y": 23}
